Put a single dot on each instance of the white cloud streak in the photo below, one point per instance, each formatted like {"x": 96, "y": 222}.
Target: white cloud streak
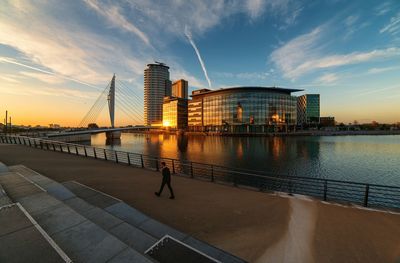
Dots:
{"x": 189, "y": 37}
{"x": 115, "y": 18}
{"x": 304, "y": 54}
{"x": 393, "y": 27}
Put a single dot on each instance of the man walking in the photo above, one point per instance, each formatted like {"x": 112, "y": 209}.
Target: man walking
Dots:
{"x": 166, "y": 174}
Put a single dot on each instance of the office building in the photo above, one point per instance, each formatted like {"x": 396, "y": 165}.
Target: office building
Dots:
{"x": 156, "y": 86}
{"x": 180, "y": 89}
{"x": 175, "y": 113}
{"x": 308, "y": 109}
{"x": 327, "y": 121}
{"x": 242, "y": 110}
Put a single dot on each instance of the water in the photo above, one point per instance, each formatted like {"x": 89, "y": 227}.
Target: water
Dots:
{"x": 366, "y": 159}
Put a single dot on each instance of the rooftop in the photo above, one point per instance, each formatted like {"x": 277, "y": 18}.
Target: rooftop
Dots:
{"x": 245, "y": 88}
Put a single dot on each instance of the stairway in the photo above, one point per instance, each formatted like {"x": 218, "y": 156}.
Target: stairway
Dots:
{"x": 91, "y": 226}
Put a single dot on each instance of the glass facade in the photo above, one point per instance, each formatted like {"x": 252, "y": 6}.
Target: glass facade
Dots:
{"x": 175, "y": 113}
{"x": 245, "y": 106}
{"x": 308, "y": 109}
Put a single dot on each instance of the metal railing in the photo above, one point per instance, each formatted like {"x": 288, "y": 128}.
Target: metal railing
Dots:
{"x": 368, "y": 195}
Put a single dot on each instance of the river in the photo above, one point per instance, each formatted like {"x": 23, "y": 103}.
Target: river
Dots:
{"x": 367, "y": 159}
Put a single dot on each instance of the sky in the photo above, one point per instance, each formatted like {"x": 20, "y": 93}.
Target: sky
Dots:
{"x": 56, "y": 57}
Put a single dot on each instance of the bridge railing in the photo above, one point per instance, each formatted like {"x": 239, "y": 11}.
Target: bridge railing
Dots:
{"x": 371, "y": 195}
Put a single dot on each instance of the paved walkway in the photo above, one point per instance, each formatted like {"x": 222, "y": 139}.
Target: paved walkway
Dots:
{"x": 255, "y": 226}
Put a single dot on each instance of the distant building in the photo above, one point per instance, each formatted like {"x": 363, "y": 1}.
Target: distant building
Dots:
{"x": 308, "y": 109}
{"x": 175, "y": 113}
{"x": 54, "y": 126}
{"x": 327, "y": 121}
{"x": 156, "y": 86}
{"x": 180, "y": 89}
{"x": 242, "y": 110}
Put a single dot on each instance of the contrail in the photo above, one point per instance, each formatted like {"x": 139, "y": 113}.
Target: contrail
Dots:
{"x": 189, "y": 36}
{"x": 3, "y": 59}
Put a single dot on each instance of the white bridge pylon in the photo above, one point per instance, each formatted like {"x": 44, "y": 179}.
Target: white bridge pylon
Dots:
{"x": 111, "y": 101}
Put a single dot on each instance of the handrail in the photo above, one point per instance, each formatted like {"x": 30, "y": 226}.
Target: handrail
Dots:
{"x": 374, "y": 195}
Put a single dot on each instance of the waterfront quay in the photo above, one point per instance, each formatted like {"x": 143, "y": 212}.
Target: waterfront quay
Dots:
{"x": 255, "y": 226}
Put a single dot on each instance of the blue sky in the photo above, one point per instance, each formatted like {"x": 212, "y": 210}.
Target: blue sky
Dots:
{"x": 55, "y": 56}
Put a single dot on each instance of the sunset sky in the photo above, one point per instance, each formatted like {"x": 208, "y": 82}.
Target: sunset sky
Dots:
{"x": 57, "y": 56}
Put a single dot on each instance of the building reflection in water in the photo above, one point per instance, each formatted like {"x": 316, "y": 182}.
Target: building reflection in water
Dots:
{"x": 113, "y": 142}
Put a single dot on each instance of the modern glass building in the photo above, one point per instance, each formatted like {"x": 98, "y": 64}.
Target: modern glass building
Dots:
{"x": 308, "y": 109}
{"x": 242, "y": 110}
{"x": 175, "y": 114}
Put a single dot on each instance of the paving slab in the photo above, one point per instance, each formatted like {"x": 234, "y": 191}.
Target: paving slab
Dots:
{"x": 31, "y": 175}
{"x": 101, "y": 200}
{"x": 27, "y": 245}
{"x": 39, "y": 203}
{"x": 19, "y": 191}
{"x": 12, "y": 219}
{"x": 158, "y": 230}
{"x": 127, "y": 213}
{"x": 4, "y": 199}
{"x": 134, "y": 237}
{"x": 80, "y": 190}
{"x": 11, "y": 179}
{"x": 102, "y": 218}
{"x": 129, "y": 256}
{"x": 58, "y": 219}
{"x": 210, "y": 250}
{"x": 79, "y": 205}
{"x": 95, "y": 244}
{"x": 59, "y": 191}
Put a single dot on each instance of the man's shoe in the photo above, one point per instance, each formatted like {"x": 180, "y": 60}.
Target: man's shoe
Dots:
{"x": 172, "y": 197}
{"x": 157, "y": 194}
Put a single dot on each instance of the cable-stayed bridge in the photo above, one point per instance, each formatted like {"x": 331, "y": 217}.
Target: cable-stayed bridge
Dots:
{"x": 117, "y": 96}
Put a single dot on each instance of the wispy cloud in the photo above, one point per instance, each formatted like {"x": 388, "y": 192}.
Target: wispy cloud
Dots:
{"x": 189, "y": 36}
{"x": 304, "y": 54}
{"x": 393, "y": 27}
{"x": 113, "y": 14}
{"x": 327, "y": 78}
{"x": 383, "y": 8}
{"x": 381, "y": 70}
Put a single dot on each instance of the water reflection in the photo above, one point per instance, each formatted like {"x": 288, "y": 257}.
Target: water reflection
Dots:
{"x": 372, "y": 159}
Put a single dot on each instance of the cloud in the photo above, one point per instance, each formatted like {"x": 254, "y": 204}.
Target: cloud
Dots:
{"x": 189, "y": 36}
{"x": 381, "y": 70}
{"x": 393, "y": 27}
{"x": 113, "y": 14}
{"x": 47, "y": 78}
{"x": 304, "y": 54}
{"x": 328, "y": 78}
{"x": 383, "y": 8}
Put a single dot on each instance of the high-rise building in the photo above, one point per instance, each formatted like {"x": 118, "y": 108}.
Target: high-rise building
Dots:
{"x": 308, "y": 109}
{"x": 180, "y": 89}
{"x": 156, "y": 86}
{"x": 175, "y": 113}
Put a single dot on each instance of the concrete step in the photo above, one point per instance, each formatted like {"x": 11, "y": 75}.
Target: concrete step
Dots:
{"x": 79, "y": 237}
{"x": 22, "y": 241}
{"x": 127, "y": 224}
{"x": 138, "y": 226}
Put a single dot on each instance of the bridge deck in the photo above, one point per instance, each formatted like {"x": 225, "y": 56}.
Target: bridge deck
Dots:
{"x": 252, "y": 225}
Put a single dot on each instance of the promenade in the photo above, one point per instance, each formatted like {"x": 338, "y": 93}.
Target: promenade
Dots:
{"x": 255, "y": 226}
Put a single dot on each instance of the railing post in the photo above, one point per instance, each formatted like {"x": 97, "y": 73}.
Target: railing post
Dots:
{"x": 61, "y": 149}
{"x": 41, "y": 145}
{"x": 34, "y": 142}
{"x": 84, "y": 148}
{"x": 173, "y": 166}
{"x": 76, "y": 150}
{"x": 116, "y": 156}
{"x": 212, "y": 173}
{"x": 191, "y": 169}
{"x": 54, "y": 147}
{"x": 19, "y": 140}
{"x": 157, "y": 168}
{"x": 30, "y": 144}
{"x": 105, "y": 154}
{"x": 69, "y": 150}
{"x": 129, "y": 158}
{"x": 366, "y": 195}
{"x": 325, "y": 189}
{"x": 94, "y": 153}
{"x": 141, "y": 160}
